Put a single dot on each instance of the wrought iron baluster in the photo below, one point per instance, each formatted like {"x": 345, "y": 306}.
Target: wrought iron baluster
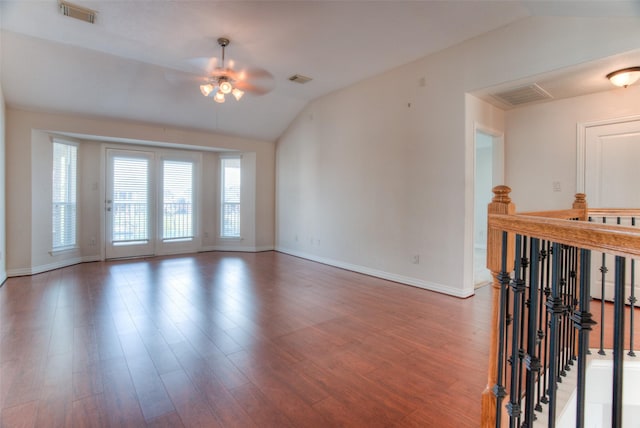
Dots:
{"x": 499, "y": 390}
{"x": 618, "y": 342}
{"x": 540, "y": 333}
{"x": 574, "y": 303}
{"x": 524, "y": 305}
{"x": 583, "y": 322}
{"x": 532, "y": 361}
{"x": 632, "y": 301}
{"x": 603, "y": 271}
{"x": 518, "y": 288}
{"x": 562, "y": 325}
{"x": 555, "y": 309}
{"x": 547, "y": 321}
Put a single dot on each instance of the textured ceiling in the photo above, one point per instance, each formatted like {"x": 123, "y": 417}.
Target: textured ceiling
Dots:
{"x": 131, "y": 63}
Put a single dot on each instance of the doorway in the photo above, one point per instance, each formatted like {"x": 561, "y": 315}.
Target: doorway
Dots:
{"x": 488, "y": 172}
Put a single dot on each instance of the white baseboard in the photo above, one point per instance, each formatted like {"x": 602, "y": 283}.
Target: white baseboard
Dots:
{"x": 415, "y": 282}
{"x": 242, "y": 249}
{"x": 34, "y": 270}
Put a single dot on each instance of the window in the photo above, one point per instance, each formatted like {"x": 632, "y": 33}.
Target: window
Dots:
{"x": 177, "y": 200}
{"x": 230, "y": 204}
{"x": 130, "y": 215}
{"x": 64, "y": 213}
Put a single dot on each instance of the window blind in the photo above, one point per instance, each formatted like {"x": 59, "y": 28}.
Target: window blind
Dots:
{"x": 177, "y": 200}
{"x": 130, "y": 200}
{"x": 230, "y": 189}
{"x": 64, "y": 211}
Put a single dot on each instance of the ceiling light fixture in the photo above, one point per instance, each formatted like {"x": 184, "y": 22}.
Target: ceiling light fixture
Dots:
{"x": 624, "y": 77}
{"x": 222, "y": 84}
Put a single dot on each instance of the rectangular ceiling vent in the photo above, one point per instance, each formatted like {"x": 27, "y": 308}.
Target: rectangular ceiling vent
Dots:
{"x": 78, "y": 12}
{"x": 299, "y": 78}
{"x": 523, "y": 95}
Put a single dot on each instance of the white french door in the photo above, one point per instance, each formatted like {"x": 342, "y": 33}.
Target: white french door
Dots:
{"x": 151, "y": 203}
{"x": 129, "y": 204}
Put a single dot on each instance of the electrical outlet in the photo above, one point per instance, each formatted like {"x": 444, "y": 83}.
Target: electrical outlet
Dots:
{"x": 557, "y": 187}
{"x": 416, "y": 259}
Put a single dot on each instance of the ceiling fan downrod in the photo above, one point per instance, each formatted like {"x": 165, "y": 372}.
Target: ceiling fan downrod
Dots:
{"x": 223, "y": 42}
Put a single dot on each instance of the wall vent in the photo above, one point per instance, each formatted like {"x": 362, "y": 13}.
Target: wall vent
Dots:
{"x": 299, "y": 78}
{"x": 78, "y": 12}
{"x": 523, "y": 95}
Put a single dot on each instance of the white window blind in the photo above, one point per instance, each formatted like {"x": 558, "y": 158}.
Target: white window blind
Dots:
{"x": 177, "y": 200}
{"x": 130, "y": 200}
{"x": 230, "y": 189}
{"x": 64, "y": 212}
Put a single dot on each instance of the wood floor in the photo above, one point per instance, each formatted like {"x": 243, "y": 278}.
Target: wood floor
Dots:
{"x": 236, "y": 340}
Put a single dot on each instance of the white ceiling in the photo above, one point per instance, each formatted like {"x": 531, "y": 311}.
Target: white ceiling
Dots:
{"x": 130, "y": 63}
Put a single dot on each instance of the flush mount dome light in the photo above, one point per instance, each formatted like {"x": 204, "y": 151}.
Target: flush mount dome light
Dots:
{"x": 625, "y": 76}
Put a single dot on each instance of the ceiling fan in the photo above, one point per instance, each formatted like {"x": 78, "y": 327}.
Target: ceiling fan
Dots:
{"x": 224, "y": 80}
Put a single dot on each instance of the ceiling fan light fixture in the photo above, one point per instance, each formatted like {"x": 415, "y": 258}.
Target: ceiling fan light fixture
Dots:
{"x": 206, "y": 89}
{"x": 219, "y": 97}
{"x": 625, "y": 76}
{"x": 225, "y": 86}
{"x": 237, "y": 93}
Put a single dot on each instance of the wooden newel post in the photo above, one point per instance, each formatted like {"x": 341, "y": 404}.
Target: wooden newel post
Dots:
{"x": 580, "y": 203}
{"x": 501, "y": 204}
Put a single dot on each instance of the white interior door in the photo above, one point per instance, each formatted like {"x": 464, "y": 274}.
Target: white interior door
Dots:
{"x": 129, "y": 204}
{"x": 612, "y": 171}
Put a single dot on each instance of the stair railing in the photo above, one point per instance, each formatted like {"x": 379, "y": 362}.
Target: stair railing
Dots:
{"x": 541, "y": 293}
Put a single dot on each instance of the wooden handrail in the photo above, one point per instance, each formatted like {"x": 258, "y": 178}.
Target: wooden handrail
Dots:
{"x": 614, "y": 212}
{"x": 559, "y": 214}
{"x": 609, "y": 238}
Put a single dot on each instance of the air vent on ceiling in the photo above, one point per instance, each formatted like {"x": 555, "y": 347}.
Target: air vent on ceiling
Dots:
{"x": 523, "y": 95}
{"x": 299, "y": 78}
{"x": 78, "y": 12}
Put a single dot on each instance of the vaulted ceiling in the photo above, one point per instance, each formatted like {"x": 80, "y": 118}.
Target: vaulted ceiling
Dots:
{"x": 137, "y": 60}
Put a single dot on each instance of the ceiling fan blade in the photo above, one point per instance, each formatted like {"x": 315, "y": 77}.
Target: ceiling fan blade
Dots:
{"x": 254, "y": 89}
{"x": 176, "y": 77}
{"x": 254, "y": 74}
{"x": 203, "y": 65}
{"x": 255, "y": 80}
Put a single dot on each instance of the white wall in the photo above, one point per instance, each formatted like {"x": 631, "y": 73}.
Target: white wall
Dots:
{"x": 3, "y": 162}
{"x": 541, "y": 144}
{"x": 381, "y": 171}
{"x": 29, "y": 185}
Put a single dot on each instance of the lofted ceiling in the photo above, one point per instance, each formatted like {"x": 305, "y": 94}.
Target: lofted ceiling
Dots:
{"x": 132, "y": 62}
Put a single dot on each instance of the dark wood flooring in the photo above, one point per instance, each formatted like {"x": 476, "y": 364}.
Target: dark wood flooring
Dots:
{"x": 237, "y": 340}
